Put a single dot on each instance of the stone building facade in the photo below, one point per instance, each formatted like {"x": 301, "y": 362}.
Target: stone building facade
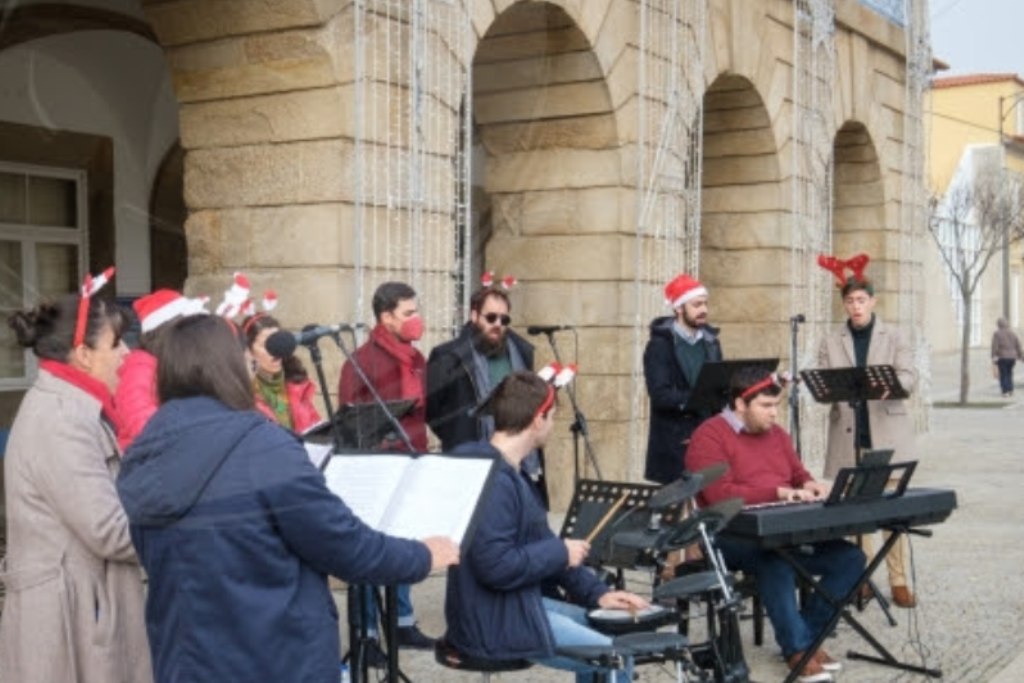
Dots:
{"x": 592, "y": 148}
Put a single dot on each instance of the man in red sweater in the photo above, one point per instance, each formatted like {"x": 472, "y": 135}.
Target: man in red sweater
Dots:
{"x": 396, "y": 369}
{"x": 764, "y": 467}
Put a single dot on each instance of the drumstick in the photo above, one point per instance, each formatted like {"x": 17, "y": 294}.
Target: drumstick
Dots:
{"x": 607, "y": 517}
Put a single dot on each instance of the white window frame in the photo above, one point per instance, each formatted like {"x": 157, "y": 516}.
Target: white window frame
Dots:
{"x": 31, "y": 235}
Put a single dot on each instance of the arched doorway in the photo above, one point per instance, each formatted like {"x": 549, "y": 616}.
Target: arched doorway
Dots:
{"x": 858, "y": 215}
{"x": 744, "y": 231}
{"x": 549, "y": 195}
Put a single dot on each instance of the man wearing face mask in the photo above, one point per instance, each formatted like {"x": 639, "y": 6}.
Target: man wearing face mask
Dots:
{"x": 396, "y": 369}
{"x": 461, "y": 373}
{"x": 392, "y": 364}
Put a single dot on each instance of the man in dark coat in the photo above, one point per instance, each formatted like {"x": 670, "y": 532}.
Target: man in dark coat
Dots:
{"x": 678, "y": 348}
{"x": 502, "y": 603}
{"x": 461, "y": 373}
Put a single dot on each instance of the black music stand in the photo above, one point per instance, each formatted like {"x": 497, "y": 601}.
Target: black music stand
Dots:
{"x": 592, "y": 500}
{"x": 711, "y": 390}
{"x": 855, "y": 386}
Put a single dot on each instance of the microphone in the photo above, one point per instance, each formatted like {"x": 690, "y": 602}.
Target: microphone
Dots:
{"x": 534, "y": 330}
{"x": 798, "y": 318}
{"x": 281, "y": 344}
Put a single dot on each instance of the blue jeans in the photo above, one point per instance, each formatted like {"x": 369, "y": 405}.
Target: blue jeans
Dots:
{"x": 1006, "y": 374}
{"x": 405, "y": 613}
{"x": 569, "y": 626}
{"x": 838, "y": 563}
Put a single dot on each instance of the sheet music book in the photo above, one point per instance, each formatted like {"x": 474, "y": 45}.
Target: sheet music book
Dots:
{"x": 318, "y": 453}
{"x": 413, "y": 496}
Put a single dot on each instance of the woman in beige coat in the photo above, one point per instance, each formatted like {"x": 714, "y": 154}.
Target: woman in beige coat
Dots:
{"x": 863, "y": 341}
{"x": 74, "y": 597}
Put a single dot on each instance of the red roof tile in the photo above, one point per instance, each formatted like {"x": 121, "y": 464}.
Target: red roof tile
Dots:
{"x": 975, "y": 79}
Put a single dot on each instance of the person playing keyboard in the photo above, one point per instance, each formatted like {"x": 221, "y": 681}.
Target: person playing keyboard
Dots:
{"x": 764, "y": 467}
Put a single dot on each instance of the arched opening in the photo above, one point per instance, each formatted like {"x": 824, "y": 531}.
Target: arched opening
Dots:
{"x": 547, "y": 191}
{"x": 168, "y": 251}
{"x": 858, "y": 215}
{"x": 547, "y": 143}
{"x": 744, "y": 250}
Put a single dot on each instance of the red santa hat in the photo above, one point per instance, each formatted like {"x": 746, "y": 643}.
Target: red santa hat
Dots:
{"x": 164, "y": 305}
{"x": 682, "y": 289}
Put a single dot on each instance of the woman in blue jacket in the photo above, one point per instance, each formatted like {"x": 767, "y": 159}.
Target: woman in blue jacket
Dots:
{"x": 237, "y": 530}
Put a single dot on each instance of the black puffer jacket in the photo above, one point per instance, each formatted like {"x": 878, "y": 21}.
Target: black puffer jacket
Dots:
{"x": 671, "y": 423}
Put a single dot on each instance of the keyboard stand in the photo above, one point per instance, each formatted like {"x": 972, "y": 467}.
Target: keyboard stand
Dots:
{"x": 842, "y": 605}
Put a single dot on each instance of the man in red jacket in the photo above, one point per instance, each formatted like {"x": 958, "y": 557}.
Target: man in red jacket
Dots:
{"x": 764, "y": 467}
{"x": 392, "y": 364}
{"x": 396, "y": 369}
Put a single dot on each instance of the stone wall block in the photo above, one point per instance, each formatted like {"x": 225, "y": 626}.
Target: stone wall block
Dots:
{"x": 570, "y": 99}
{"x": 303, "y": 172}
{"x": 552, "y": 169}
{"x": 757, "y": 230}
{"x": 189, "y": 21}
{"x": 577, "y": 132}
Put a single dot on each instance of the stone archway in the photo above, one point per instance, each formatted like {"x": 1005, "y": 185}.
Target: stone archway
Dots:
{"x": 550, "y": 181}
{"x": 168, "y": 251}
{"x": 744, "y": 231}
{"x": 858, "y": 214}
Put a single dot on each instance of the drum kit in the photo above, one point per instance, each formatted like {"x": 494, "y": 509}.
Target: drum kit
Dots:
{"x": 622, "y": 539}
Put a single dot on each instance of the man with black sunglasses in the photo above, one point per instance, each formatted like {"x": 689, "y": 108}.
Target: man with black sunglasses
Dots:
{"x": 464, "y": 371}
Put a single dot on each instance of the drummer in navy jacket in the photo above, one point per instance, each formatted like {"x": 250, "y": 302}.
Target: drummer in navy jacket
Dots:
{"x": 503, "y": 600}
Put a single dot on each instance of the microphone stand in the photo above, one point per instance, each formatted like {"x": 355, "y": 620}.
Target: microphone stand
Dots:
{"x": 315, "y": 356}
{"x": 794, "y": 393}
{"x": 358, "y": 638}
{"x": 392, "y": 420}
{"x": 579, "y": 425}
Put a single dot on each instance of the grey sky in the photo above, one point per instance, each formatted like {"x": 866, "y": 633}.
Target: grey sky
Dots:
{"x": 978, "y": 36}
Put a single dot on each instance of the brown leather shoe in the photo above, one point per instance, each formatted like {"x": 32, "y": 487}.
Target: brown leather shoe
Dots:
{"x": 812, "y": 671}
{"x": 902, "y": 597}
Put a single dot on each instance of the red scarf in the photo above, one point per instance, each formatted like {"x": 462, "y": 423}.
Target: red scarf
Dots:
{"x": 86, "y": 383}
{"x": 405, "y": 353}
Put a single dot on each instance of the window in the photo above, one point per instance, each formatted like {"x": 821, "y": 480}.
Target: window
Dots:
{"x": 43, "y": 233}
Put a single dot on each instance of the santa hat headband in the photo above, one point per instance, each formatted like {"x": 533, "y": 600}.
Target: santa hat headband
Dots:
{"x": 556, "y": 376}
{"x": 268, "y": 304}
{"x": 855, "y": 264}
{"x": 235, "y": 296}
{"x": 507, "y": 282}
{"x": 772, "y": 380}
{"x": 682, "y": 289}
{"x": 90, "y": 286}
{"x": 165, "y": 305}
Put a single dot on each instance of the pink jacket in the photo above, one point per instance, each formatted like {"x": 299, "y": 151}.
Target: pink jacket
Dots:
{"x": 135, "y": 399}
{"x": 300, "y": 403}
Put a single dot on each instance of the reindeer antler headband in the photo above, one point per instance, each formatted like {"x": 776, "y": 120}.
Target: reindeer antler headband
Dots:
{"x": 838, "y": 267}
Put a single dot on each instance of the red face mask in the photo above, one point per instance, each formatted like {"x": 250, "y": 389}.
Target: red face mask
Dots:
{"x": 411, "y": 329}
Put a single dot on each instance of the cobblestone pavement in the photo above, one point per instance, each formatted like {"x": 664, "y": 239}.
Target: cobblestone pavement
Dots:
{"x": 968, "y": 576}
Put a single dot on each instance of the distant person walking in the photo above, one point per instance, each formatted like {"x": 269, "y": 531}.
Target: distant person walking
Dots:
{"x": 1005, "y": 352}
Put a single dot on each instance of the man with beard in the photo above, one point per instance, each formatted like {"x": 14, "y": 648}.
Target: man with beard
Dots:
{"x": 679, "y": 346}
{"x": 461, "y": 373}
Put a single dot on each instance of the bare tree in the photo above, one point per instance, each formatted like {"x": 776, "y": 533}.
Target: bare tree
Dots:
{"x": 975, "y": 220}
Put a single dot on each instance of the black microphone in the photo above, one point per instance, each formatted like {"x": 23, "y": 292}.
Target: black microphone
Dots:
{"x": 281, "y": 344}
{"x": 534, "y": 330}
{"x": 798, "y": 318}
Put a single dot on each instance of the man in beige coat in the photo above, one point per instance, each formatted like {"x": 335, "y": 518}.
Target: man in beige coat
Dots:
{"x": 865, "y": 340}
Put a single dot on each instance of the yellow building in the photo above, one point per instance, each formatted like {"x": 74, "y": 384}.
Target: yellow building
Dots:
{"x": 974, "y": 119}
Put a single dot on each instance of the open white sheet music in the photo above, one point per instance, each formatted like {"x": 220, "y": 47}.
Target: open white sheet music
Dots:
{"x": 411, "y": 497}
{"x": 318, "y": 452}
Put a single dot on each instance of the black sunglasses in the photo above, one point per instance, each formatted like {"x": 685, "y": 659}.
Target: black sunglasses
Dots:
{"x": 492, "y": 318}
